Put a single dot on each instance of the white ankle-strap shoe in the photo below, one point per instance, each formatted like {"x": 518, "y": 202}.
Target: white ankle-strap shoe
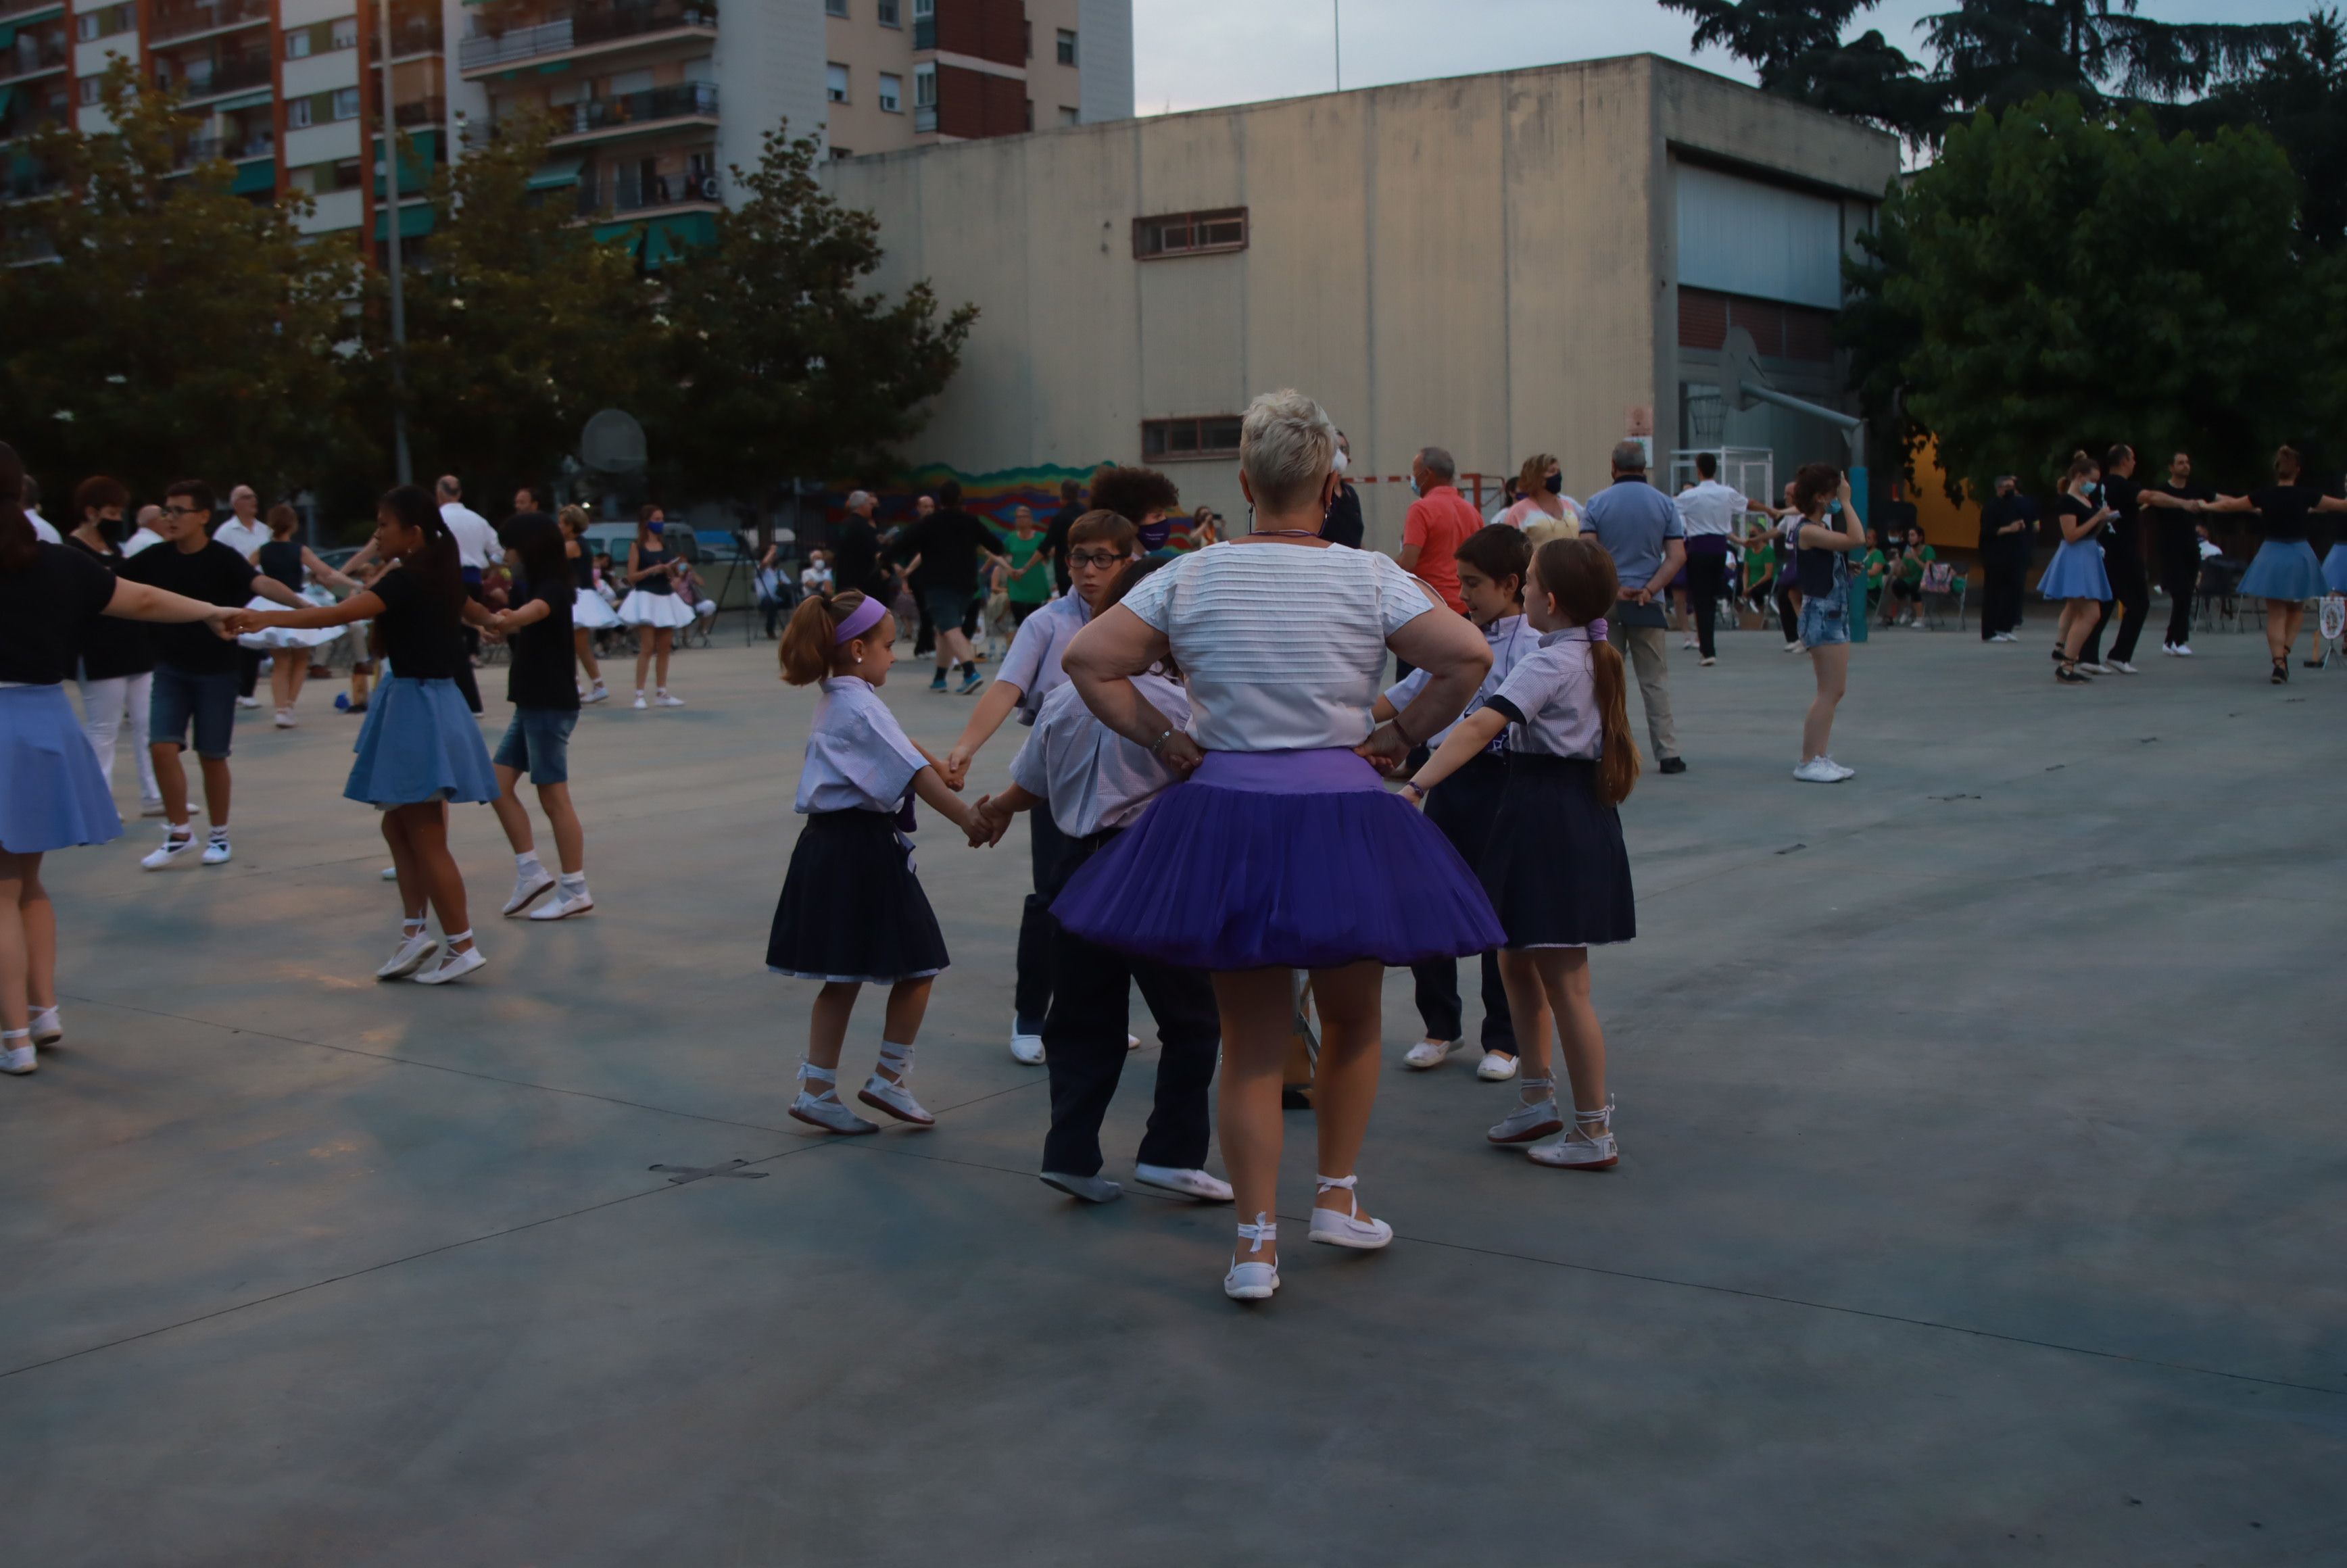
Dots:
{"x": 895, "y": 1095}
{"x": 1534, "y": 1118}
{"x": 415, "y": 947}
{"x": 1349, "y": 1229}
{"x": 1590, "y": 1145}
{"x": 1252, "y": 1281}
{"x": 18, "y": 1058}
{"x": 818, "y": 1104}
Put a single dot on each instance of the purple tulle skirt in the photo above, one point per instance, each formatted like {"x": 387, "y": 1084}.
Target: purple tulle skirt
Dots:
{"x": 1295, "y": 860}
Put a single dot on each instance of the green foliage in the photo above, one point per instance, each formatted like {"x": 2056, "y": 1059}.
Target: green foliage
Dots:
{"x": 2298, "y": 96}
{"x": 1796, "y": 50}
{"x": 182, "y": 330}
{"x": 783, "y": 360}
{"x": 2052, "y": 282}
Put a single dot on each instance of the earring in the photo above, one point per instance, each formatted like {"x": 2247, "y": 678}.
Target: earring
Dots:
{"x": 857, "y": 656}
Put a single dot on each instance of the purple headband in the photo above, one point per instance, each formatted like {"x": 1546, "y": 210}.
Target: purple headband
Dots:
{"x": 860, "y": 619}
{"x": 1597, "y": 630}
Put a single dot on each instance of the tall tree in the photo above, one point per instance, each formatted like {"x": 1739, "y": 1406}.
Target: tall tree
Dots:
{"x": 183, "y": 328}
{"x": 2059, "y": 282}
{"x": 1797, "y": 51}
{"x": 785, "y": 361}
{"x": 2296, "y": 94}
{"x": 1992, "y": 53}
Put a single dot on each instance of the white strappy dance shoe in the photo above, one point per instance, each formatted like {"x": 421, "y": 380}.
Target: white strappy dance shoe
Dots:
{"x": 1588, "y": 1147}
{"x": 895, "y": 1095}
{"x": 822, "y": 1108}
{"x": 1536, "y": 1117}
{"x": 17, "y": 1057}
{"x": 1252, "y": 1281}
{"x": 1349, "y": 1229}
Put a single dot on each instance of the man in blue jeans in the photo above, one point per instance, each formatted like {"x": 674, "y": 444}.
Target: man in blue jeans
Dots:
{"x": 195, "y": 675}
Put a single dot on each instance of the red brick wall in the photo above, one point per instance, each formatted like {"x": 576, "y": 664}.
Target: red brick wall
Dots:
{"x": 984, "y": 29}
{"x": 1778, "y": 331}
{"x": 973, "y": 104}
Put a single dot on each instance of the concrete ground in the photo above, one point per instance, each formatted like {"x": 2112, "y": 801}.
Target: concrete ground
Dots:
{"x": 1980, "y": 1202}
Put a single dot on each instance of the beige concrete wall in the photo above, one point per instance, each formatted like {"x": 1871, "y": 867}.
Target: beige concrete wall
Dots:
{"x": 1481, "y": 262}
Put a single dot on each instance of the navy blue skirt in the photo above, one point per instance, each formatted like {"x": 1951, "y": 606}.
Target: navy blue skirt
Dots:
{"x": 1555, "y": 867}
{"x": 852, "y": 909}
{"x": 51, "y": 793}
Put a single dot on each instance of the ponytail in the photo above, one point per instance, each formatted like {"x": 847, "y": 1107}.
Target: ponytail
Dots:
{"x": 810, "y": 640}
{"x": 1579, "y": 578}
{"x": 436, "y": 565}
{"x": 20, "y": 546}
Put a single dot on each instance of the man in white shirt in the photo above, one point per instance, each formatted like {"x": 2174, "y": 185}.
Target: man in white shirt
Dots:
{"x": 476, "y": 542}
{"x": 1708, "y": 509}
{"x": 43, "y": 529}
{"x": 243, "y": 534}
{"x": 149, "y": 515}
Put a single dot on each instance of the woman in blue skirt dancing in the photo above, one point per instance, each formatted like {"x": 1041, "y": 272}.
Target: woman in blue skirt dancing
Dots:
{"x": 2074, "y": 575}
{"x": 51, "y": 791}
{"x": 2284, "y": 572}
{"x": 1281, "y": 850}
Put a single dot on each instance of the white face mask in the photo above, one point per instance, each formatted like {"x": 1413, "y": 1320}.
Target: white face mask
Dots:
{"x": 1413, "y": 486}
{"x": 1341, "y": 463}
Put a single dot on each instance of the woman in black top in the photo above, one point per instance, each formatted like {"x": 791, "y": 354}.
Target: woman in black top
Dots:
{"x": 2284, "y": 572}
{"x": 118, "y": 658}
{"x": 51, "y": 793}
{"x": 283, "y": 560}
{"x": 652, "y": 606}
{"x": 543, "y": 686}
{"x": 2074, "y": 575}
{"x": 419, "y": 748}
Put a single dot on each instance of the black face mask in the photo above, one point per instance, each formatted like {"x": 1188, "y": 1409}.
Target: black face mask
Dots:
{"x": 1556, "y": 484}
{"x": 113, "y": 530}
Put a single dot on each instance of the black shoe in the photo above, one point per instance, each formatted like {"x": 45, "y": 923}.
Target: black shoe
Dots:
{"x": 2069, "y": 677}
{"x": 1673, "y": 766}
{"x": 2281, "y": 673}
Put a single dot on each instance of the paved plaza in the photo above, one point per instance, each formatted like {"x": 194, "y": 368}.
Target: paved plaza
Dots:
{"x": 1981, "y": 1198}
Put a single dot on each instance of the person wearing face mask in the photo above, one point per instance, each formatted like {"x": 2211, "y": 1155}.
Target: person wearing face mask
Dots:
{"x": 652, "y": 607}
{"x": 117, "y": 671}
{"x": 2008, "y": 525}
{"x": 1343, "y": 525}
{"x": 1439, "y": 522}
{"x": 1541, "y": 499}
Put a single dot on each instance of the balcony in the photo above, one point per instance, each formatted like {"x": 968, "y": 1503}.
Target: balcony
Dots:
{"x": 591, "y": 27}
{"x": 925, "y": 119}
{"x": 186, "y": 18}
{"x": 420, "y": 112}
{"x": 23, "y": 180}
{"x": 631, "y": 195}
{"x": 18, "y": 7}
{"x": 34, "y": 55}
{"x": 234, "y": 74}
{"x": 605, "y": 118}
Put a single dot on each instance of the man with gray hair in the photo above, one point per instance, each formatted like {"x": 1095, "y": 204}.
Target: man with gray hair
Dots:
{"x": 1439, "y": 522}
{"x": 1642, "y": 531}
{"x": 856, "y": 550}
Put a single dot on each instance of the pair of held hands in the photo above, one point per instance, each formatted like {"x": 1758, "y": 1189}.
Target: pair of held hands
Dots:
{"x": 232, "y": 624}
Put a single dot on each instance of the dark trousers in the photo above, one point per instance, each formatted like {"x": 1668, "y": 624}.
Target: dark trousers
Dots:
{"x": 1030, "y": 996}
{"x": 925, "y": 640}
{"x": 2180, "y": 574}
{"x": 248, "y": 671}
{"x": 1706, "y": 581}
{"x": 1462, "y": 807}
{"x": 1788, "y": 618}
{"x": 2001, "y": 595}
{"x": 1084, "y": 1050}
{"x": 2130, "y": 596}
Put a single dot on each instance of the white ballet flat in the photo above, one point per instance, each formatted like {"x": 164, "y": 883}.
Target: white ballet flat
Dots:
{"x": 1349, "y": 1229}
{"x": 895, "y": 1095}
{"x": 822, "y": 1108}
{"x": 47, "y": 1030}
{"x": 1027, "y": 1050}
{"x": 528, "y": 887}
{"x": 1531, "y": 1119}
{"x": 413, "y": 948}
{"x": 1190, "y": 1182}
{"x": 562, "y": 908}
{"x": 1252, "y": 1281}
{"x": 1429, "y": 1052}
{"x": 18, "y": 1058}
{"x": 453, "y": 964}
{"x": 1590, "y": 1145}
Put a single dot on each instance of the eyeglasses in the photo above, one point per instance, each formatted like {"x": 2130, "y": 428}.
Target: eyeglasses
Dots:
{"x": 186, "y": 511}
{"x": 1093, "y": 557}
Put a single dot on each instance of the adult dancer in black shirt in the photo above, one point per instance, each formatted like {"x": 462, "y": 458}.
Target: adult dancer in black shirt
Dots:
{"x": 2179, "y": 551}
{"x": 1055, "y": 535}
{"x": 2008, "y": 529}
{"x": 1343, "y": 524}
{"x": 2123, "y": 558}
{"x": 2284, "y": 572}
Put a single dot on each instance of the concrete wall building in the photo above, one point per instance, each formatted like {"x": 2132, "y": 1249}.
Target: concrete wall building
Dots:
{"x": 1535, "y": 260}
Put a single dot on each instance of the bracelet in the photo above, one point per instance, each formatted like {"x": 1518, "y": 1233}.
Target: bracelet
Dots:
{"x": 1414, "y": 787}
{"x": 1157, "y": 746}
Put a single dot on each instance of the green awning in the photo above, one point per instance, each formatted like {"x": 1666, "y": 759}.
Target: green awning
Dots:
{"x": 6, "y": 93}
{"x": 7, "y": 34}
{"x": 259, "y": 175}
{"x": 561, "y": 171}
{"x": 670, "y": 238}
{"x": 633, "y": 234}
{"x": 249, "y": 101}
{"x": 415, "y": 222}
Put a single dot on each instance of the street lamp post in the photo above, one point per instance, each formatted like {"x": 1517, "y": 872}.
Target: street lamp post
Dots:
{"x": 402, "y": 466}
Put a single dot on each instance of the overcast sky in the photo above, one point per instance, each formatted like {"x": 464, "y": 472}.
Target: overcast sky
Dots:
{"x": 1195, "y": 54}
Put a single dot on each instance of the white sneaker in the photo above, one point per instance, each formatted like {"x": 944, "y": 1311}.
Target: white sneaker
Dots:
{"x": 1347, "y": 1229}
{"x": 561, "y": 906}
{"x": 1252, "y": 1281}
{"x": 528, "y": 887}
{"x": 1190, "y": 1183}
{"x": 284, "y": 718}
{"x": 640, "y": 705}
{"x": 176, "y": 843}
{"x": 453, "y": 966}
{"x": 1845, "y": 772}
{"x": 415, "y": 947}
{"x": 1588, "y": 1147}
{"x": 2123, "y": 667}
{"x": 2095, "y": 669}
{"x": 1497, "y": 1067}
{"x": 1027, "y": 1050}
{"x": 1690, "y": 646}
{"x": 599, "y": 694}
{"x": 665, "y": 700}
{"x": 2168, "y": 649}
{"x": 217, "y": 851}
{"x": 248, "y": 702}
{"x": 1819, "y": 770}
{"x": 1795, "y": 647}
{"x": 2183, "y": 651}
{"x": 1090, "y": 1189}
{"x": 1534, "y": 1118}
{"x": 20, "y": 1056}
{"x": 1429, "y": 1052}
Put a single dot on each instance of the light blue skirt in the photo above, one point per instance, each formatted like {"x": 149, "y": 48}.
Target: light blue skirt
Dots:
{"x": 2334, "y": 569}
{"x": 2076, "y": 572}
{"x": 51, "y": 792}
{"x": 419, "y": 742}
{"x": 2284, "y": 570}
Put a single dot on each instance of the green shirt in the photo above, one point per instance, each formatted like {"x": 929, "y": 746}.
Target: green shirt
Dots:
{"x": 1034, "y": 587}
{"x": 1910, "y": 564}
{"x": 1872, "y": 570}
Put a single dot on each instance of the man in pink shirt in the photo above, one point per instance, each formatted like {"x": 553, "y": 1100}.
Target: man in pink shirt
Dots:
{"x": 1439, "y": 521}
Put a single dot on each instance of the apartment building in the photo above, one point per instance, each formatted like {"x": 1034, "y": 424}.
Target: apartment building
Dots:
{"x": 652, "y": 100}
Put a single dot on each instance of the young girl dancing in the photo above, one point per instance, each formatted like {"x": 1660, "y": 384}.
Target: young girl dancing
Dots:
{"x": 1555, "y": 867}
{"x": 652, "y": 607}
{"x": 284, "y": 559}
{"x": 852, "y": 911}
{"x": 2075, "y": 576}
{"x": 419, "y": 748}
{"x": 543, "y": 687}
{"x": 590, "y": 613}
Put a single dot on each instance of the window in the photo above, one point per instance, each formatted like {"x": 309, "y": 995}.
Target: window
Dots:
{"x": 105, "y": 22}
{"x": 885, "y": 13}
{"x": 925, "y": 25}
{"x": 346, "y": 103}
{"x": 835, "y": 8}
{"x": 1204, "y": 436}
{"x": 297, "y": 43}
{"x": 841, "y": 154}
{"x": 1066, "y": 48}
{"x": 90, "y": 86}
{"x": 892, "y": 93}
{"x": 297, "y": 114}
{"x": 1190, "y": 233}
{"x": 835, "y": 83}
{"x": 1068, "y": 116}
{"x": 346, "y": 174}
{"x": 925, "y": 87}
{"x": 345, "y": 34}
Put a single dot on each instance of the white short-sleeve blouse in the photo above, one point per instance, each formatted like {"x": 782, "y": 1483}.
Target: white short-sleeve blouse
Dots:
{"x": 1284, "y": 645}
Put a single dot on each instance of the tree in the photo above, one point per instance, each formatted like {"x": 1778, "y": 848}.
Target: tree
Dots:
{"x": 519, "y": 323}
{"x": 1796, "y": 50}
{"x": 183, "y": 328}
{"x": 2297, "y": 95}
{"x": 2052, "y": 282}
{"x": 1993, "y": 54}
{"x": 784, "y": 362}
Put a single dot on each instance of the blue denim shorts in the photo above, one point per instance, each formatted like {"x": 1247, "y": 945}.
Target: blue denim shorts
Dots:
{"x": 538, "y": 743}
{"x": 208, "y": 697}
{"x": 1825, "y": 621}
